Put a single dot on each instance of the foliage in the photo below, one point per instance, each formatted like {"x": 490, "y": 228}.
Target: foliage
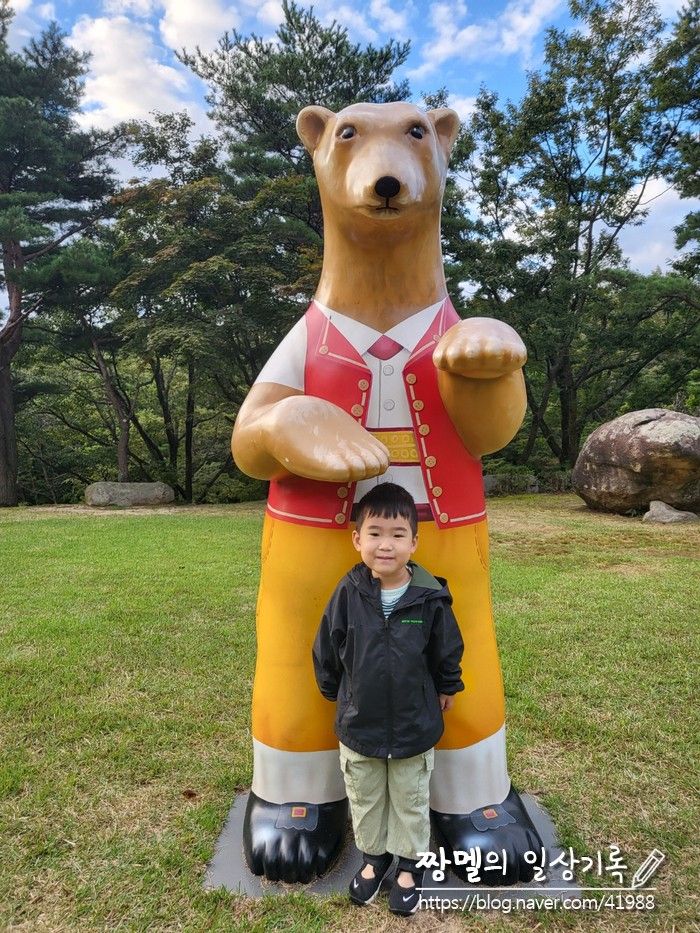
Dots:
{"x": 555, "y": 179}
{"x": 256, "y": 90}
{"x": 677, "y": 88}
{"x": 206, "y": 267}
{"x": 135, "y": 341}
{"x": 54, "y": 184}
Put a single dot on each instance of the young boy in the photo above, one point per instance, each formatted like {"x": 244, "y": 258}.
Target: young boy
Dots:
{"x": 389, "y": 650}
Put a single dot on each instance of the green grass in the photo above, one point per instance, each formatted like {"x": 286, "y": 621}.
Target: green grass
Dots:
{"x": 126, "y": 659}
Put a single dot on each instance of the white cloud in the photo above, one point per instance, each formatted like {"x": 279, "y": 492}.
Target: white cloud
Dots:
{"x": 468, "y": 288}
{"x": 23, "y": 25}
{"x": 126, "y": 78}
{"x": 451, "y": 41}
{"x": 521, "y": 21}
{"x": 669, "y": 9}
{"x": 653, "y": 243}
{"x": 135, "y": 7}
{"x": 271, "y": 13}
{"x": 444, "y": 15}
{"x": 394, "y": 22}
{"x": 465, "y": 106}
{"x": 511, "y": 32}
{"x": 354, "y": 20}
{"x": 46, "y": 11}
{"x": 186, "y": 23}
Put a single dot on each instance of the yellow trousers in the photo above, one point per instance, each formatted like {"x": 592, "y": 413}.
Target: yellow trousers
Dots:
{"x": 301, "y": 566}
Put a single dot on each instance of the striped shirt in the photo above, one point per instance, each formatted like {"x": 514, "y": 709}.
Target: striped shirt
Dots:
{"x": 391, "y": 597}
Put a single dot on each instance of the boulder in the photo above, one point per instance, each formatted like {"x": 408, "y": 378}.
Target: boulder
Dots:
{"x": 666, "y": 515}
{"x": 639, "y": 457}
{"x": 129, "y": 494}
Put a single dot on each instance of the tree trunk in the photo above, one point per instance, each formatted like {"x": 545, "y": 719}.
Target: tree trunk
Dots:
{"x": 123, "y": 450}
{"x": 526, "y": 452}
{"x": 568, "y": 412}
{"x": 189, "y": 429}
{"x": 170, "y": 430}
{"x": 10, "y": 337}
{"x": 120, "y": 407}
{"x": 8, "y": 438}
{"x": 539, "y": 411}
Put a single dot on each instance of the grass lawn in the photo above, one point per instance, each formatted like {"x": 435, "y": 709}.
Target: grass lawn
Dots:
{"x": 126, "y": 658}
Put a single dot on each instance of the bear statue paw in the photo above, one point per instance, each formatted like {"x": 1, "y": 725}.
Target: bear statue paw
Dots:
{"x": 500, "y": 827}
{"x": 293, "y": 842}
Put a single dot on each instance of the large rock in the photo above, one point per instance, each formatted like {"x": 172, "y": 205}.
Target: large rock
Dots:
{"x": 638, "y": 457}
{"x": 129, "y": 494}
{"x": 664, "y": 514}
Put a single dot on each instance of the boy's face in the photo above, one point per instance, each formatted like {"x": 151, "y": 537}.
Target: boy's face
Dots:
{"x": 385, "y": 546}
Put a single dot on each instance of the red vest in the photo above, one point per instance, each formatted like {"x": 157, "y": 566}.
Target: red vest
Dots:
{"x": 336, "y": 372}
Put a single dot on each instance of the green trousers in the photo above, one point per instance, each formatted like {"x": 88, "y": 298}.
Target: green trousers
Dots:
{"x": 389, "y": 802}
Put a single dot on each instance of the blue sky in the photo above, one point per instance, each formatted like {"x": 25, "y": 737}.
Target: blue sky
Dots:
{"x": 453, "y": 44}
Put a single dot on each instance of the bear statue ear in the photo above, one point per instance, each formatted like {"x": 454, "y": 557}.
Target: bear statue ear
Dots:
{"x": 446, "y": 123}
{"x": 311, "y": 123}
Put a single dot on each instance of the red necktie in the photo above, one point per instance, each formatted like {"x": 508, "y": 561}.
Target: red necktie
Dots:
{"x": 384, "y": 348}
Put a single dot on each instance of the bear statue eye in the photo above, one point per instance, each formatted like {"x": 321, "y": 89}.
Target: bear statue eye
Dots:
{"x": 417, "y": 131}
{"x": 347, "y": 132}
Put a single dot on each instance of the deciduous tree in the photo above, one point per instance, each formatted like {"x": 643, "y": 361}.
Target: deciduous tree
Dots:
{"x": 555, "y": 179}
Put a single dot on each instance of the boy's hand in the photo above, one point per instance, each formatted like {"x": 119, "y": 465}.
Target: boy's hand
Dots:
{"x": 446, "y": 702}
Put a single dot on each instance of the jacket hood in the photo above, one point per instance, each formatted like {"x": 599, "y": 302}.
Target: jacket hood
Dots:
{"x": 423, "y": 585}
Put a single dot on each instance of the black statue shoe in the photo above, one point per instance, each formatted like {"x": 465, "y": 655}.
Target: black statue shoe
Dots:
{"x": 504, "y": 826}
{"x": 293, "y": 841}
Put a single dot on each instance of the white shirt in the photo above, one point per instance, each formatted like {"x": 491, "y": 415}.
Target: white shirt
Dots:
{"x": 387, "y": 404}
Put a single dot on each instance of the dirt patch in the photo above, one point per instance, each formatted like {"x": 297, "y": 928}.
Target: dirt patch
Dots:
{"x": 87, "y": 511}
{"x": 553, "y": 545}
{"x": 626, "y": 570}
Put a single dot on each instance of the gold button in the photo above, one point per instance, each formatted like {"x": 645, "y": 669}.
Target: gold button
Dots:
{"x": 437, "y": 491}
{"x": 418, "y": 405}
{"x": 323, "y": 349}
{"x": 444, "y": 517}
{"x": 424, "y": 429}
{"x": 343, "y": 492}
{"x": 430, "y": 461}
{"x": 340, "y": 518}
{"x": 356, "y": 410}
{"x": 411, "y": 379}
{"x": 363, "y": 384}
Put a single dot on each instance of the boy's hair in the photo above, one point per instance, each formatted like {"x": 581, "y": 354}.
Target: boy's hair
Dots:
{"x": 387, "y": 500}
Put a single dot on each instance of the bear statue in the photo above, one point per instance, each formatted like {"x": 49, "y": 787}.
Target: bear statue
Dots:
{"x": 379, "y": 380}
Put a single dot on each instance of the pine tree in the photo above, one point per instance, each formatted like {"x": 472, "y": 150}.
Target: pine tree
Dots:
{"x": 54, "y": 184}
{"x": 256, "y": 90}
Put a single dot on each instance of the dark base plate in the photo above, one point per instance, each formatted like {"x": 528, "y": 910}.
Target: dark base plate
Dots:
{"x": 228, "y": 868}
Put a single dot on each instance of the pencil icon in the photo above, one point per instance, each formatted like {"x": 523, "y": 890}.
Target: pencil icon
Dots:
{"x": 647, "y": 868}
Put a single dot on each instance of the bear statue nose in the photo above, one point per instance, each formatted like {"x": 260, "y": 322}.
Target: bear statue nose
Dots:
{"x": 387, "y": 186}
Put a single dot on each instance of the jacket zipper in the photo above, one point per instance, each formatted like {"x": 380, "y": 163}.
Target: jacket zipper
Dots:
{"x": 391, "y": 705}
{"x": 389, "y": 678}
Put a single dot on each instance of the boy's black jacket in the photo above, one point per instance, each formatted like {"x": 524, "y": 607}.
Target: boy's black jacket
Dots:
{"x": 386, "y": 673}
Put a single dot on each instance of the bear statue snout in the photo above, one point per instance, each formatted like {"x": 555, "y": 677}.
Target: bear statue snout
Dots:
{"x": 387, "y": 186}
